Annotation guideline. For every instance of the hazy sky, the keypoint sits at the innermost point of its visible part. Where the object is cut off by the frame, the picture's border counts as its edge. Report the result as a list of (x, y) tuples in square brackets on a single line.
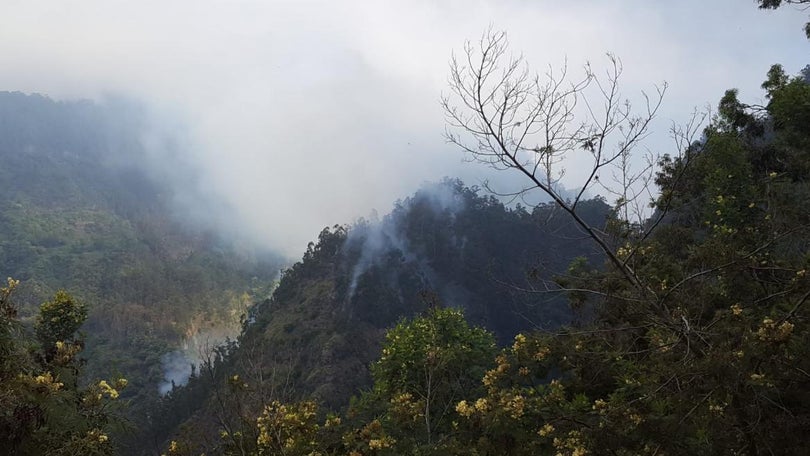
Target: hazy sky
[(306, 114)]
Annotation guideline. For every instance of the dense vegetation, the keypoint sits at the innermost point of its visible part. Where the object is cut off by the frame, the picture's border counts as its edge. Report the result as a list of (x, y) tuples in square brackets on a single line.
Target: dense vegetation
[(454, 325), (325, 323), (43, 407), (82, 211), (704, 351)]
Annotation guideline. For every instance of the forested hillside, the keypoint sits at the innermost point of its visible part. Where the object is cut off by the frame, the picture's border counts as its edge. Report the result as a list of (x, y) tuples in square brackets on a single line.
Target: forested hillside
[(657, 303), (82, 211), (694, 339), (446, 246)]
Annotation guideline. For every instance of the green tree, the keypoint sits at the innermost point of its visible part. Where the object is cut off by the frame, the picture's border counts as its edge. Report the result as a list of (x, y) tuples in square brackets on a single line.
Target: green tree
[(58, 321), (427, 366), (698, 341), (42, 408)]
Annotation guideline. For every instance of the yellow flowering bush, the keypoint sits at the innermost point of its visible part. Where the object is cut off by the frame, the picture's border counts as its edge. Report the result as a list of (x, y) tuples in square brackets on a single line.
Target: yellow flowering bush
[(771, 331), (47, 382), (288, 429)]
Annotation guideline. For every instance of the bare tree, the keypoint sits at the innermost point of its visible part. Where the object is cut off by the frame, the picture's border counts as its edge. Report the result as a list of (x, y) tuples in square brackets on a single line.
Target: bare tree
[(504, 116)]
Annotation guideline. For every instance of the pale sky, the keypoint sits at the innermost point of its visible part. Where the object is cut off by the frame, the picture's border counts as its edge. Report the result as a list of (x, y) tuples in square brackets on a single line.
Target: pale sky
[(304, 114)]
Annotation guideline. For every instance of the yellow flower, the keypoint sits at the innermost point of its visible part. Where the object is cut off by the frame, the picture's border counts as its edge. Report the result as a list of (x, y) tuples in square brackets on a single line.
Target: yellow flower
[(579, 451), (546, 430), (771, 333), (464, 409), (383, 442), (520, 340), (12, 284), (48, 381), (785, 328), (107, 389), (503, 363), (572, 442), (490, 377), (717, 408), (515, 406), (482, 405), (541, 354), (96, 436), (332, 421)]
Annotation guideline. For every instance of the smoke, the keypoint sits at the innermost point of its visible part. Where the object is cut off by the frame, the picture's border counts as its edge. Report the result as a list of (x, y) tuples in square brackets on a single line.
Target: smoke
[(161, 145), (273, 119), (177, 368), (374, 239), (196, 350)]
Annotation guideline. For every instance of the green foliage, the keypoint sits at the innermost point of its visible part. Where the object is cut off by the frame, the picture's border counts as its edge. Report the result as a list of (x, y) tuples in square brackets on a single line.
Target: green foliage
[(79, 213), (43, 410), (444, 244), (708, 356), (12, 354), (58, 320), (437, 349), (294, 429), (522, 411), (711, 355), (427, 366), (705, 352)]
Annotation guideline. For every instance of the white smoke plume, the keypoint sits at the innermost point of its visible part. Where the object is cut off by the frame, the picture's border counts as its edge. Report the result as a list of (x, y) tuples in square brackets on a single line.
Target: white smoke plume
[(303, 114)]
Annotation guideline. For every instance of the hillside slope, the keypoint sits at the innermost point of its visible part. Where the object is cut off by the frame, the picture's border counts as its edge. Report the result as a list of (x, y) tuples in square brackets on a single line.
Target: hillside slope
[(445, 246), (81, 211), (316, 337)]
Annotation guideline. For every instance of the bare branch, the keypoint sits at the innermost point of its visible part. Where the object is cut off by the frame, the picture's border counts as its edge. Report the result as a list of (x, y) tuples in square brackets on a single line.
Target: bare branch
[(501, 115)]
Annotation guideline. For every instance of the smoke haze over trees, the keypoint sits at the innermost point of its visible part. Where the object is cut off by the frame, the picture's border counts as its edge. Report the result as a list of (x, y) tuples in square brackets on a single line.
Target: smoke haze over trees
[(588, 238), (278, 99)]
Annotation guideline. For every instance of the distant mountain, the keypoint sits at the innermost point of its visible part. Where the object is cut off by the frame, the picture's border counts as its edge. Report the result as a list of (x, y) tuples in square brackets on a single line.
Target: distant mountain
[(447, 245), (82, 210)]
